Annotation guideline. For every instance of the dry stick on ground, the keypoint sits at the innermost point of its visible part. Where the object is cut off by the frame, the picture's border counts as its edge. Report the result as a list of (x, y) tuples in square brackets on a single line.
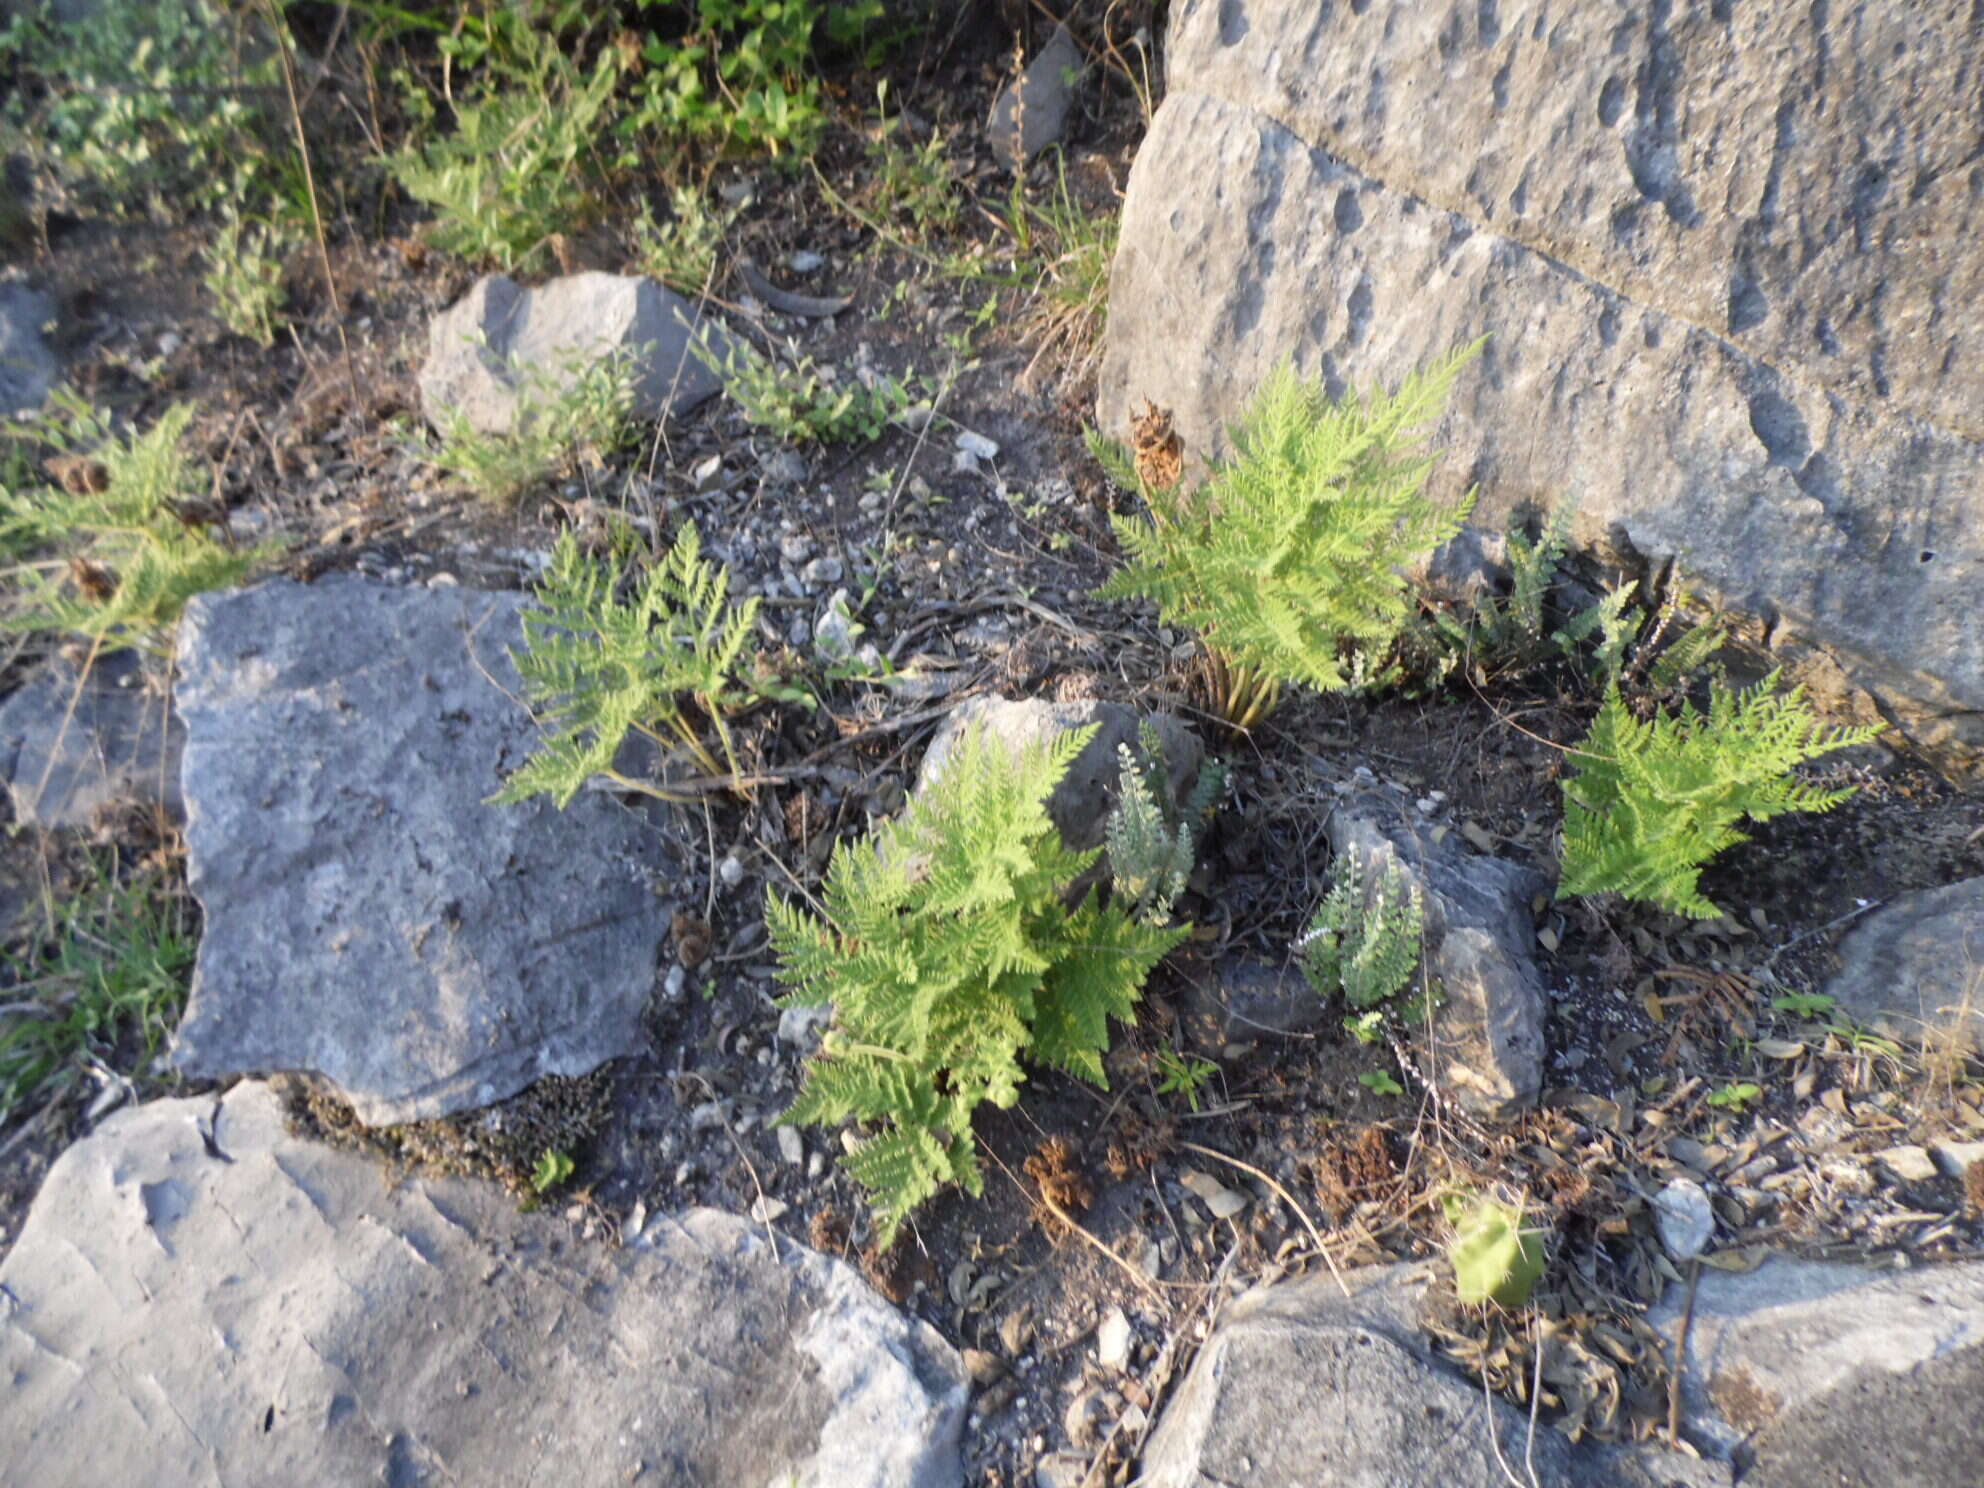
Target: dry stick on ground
[(1286, 1198), (310, 185)]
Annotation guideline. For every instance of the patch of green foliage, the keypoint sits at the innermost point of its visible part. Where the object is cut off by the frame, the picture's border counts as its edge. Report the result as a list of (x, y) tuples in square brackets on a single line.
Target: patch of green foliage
[(102, 979), (1654, 799), (553, 1168), (914, 186), (134, 542), (681, 251), (1495, 1258), (1287, 559), (134, 105), (1151, 848), (799, 405), (1736, 1095), (1179, 1075), (521, 162), (1365, 943), (598, 667), (562, 423), (949, 954), (244, 275)]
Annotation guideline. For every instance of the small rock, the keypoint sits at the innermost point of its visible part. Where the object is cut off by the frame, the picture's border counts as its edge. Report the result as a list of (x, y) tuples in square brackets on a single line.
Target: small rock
[(1086, 1417), (799, 1028), (1909, 1163), (443, 581), (1908, 970), (708, 1117), (1686, 1222), (27, 366), (730, 871), (673, 985), (791, 1146), (786, 468), (977, 445), (708, 475), (804, 261), (73, 745), (796, 547), (823, 571), (1060, 1470), (1216, 1196), (984, 1367), (1955, 1158), (1016, 1332), (1032, 110), (1112, 1340), (765, 1208)]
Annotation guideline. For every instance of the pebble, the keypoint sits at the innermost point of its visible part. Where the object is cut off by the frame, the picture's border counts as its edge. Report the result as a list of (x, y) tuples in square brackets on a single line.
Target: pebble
[(1909, 1163), (730, 871), (791, 1146), (1955, 1158), (1685, 1219), (1112, 1340), (443, 581), (977, 445), (796, 547), (674, 983), (707, 1117), (786, 468), (708, 474), (799, 1028), (823, 571), (804, 261), (765, 1208), (984, 1367), (1216, 1196)]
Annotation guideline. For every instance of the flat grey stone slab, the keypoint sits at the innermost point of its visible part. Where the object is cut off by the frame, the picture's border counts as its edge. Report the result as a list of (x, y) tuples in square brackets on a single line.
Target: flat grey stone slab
[(73, 746), (369, 916), (27, 365), (501, 345), (1031, 112), (1913, 970), (199, 1297)]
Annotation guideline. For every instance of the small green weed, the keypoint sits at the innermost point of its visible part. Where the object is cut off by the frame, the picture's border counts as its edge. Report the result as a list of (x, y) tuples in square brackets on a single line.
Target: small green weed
[(1151, 849), (600, 667), (562, 424), (104, 980), (1178, 1074), (1380, 1082), (1364, 946), (800, 406), (681, 252), (1736, 1095), (244, 275), (1064, 250), (1803, 1004), (914, 186), (552, 1169)]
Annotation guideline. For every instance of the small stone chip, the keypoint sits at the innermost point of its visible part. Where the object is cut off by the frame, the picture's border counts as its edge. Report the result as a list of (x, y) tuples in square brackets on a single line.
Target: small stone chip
[(1112, 1340), (1216, 1196), (1684, 1217), (1909, 1163)]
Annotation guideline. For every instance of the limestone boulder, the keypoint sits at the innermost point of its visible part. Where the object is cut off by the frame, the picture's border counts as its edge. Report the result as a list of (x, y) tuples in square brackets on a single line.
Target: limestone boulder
[(370, 916), (198, 1296), (502, 347), (1913, 970), (1727, 258)]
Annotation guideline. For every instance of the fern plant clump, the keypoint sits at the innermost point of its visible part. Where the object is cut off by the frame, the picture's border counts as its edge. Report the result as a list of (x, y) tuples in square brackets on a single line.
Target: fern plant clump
[(1287, 559), (1151, 850), (139, 538), (1365, 947), (600, 667), (1655, 799), (950, 955)]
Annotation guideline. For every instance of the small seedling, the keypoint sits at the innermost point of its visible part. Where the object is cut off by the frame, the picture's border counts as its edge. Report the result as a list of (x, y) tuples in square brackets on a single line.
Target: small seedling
[(1803, 1004), (1178, 1074), (1736, 1095), (552, 1169), (1380, 1082), (1495, 1258)]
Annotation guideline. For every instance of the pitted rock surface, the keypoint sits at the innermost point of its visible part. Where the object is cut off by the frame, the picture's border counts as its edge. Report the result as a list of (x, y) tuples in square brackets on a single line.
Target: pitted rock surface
[(198, 1296), (369, 915)]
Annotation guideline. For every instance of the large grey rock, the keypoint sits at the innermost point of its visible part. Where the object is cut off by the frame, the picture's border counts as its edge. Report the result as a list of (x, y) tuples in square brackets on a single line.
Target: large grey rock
[(1081, 804), (27, 366), (1300, 1384), (1485, 1046), (1877, 1370), (1728, 255), (368, 915), (198, 1297), (1913, 970), (75, 746), (1031, 111), (501, 346)]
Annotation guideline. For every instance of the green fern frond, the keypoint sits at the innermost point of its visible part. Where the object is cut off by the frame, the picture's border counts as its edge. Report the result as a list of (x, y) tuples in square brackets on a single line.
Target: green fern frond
[(950, 957), (1655, 799), (1289, 557), (599, 667), (1365, 943)]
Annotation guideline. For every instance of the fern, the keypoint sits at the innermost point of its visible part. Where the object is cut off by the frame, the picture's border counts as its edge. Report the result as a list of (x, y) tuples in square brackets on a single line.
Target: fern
[(139, 536), (600, 667), (1150, 853), (1654, 800), (1365, 947), (1287, 558), (949, 954)]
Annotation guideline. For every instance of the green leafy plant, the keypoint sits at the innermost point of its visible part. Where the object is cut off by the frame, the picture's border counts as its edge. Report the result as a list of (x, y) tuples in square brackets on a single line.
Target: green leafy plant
[(681, 252), (136, 535), (1287, 558), (244, 275), (598, 667), (1380, 1082), (552, 1169), (520, 163), (1803, 1004), (1062, 250), (1654, 799), (949, 952), (561, 424), (1735, 1095), (912, 185), (103, 978), (1178, 1074), (799, 405), (1364, 942), (162, 104), (1495, 1257), (1150, 850)]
